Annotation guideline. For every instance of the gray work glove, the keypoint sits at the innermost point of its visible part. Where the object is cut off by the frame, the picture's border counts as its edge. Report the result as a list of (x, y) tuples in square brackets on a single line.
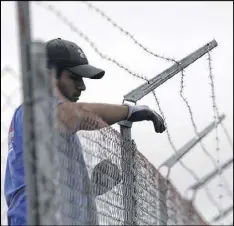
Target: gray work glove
[(137, 113)]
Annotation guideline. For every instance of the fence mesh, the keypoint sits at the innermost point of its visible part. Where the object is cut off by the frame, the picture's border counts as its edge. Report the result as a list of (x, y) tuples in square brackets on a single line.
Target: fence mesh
[(91, 187)]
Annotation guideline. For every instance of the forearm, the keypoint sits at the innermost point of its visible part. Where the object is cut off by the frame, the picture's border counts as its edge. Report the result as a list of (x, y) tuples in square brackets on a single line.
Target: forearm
[(89, 116), (109, 113)]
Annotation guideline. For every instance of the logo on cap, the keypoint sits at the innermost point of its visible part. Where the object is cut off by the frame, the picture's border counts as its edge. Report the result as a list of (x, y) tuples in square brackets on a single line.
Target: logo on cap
[(82, 55)]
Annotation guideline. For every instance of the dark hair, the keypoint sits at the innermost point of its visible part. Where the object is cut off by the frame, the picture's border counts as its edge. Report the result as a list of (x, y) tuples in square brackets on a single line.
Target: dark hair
[(59, 69)]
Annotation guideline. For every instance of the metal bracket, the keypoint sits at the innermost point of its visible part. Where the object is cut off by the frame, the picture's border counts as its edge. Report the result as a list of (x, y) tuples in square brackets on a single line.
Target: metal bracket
[(125, 124), (158, 80), (171, 161), (211, 175), (223, 214)]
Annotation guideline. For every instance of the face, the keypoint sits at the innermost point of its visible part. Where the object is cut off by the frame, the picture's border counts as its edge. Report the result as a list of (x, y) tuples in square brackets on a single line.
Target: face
[(71, 85)]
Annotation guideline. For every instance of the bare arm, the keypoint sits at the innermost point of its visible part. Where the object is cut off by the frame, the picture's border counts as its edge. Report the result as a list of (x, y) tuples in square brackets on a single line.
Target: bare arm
[(109, 113), (90, 116)]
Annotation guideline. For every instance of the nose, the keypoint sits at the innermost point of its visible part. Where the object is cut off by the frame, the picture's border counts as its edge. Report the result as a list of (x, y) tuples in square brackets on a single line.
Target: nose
[(81, 85)]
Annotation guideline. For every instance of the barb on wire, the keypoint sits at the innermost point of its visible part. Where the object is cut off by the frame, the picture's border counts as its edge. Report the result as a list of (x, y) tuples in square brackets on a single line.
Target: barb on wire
[(99, 11), (214, 105), (91, 43)]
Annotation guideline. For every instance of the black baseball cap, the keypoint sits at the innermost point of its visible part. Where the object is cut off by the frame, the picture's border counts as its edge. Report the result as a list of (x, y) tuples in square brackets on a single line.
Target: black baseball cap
[(70, 56)]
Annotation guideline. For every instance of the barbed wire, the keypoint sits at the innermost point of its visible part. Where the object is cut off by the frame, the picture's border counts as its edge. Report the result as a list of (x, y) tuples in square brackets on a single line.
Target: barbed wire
[(215, 111), (128, 34), (191, 115), (203, 147), (104, 15), (214, 104), (217, 166)]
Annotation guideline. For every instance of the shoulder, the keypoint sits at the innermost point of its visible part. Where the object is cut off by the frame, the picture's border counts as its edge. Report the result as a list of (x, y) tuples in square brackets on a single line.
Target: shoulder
[(18, 116), (55, 101), (18, 112), (16, 124)]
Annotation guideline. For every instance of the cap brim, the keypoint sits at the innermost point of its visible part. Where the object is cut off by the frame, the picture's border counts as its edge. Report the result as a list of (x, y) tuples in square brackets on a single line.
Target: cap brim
[(87, 71)]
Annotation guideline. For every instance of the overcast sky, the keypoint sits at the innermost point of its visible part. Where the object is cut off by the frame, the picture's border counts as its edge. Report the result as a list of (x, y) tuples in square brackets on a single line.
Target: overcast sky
[(172, 29)]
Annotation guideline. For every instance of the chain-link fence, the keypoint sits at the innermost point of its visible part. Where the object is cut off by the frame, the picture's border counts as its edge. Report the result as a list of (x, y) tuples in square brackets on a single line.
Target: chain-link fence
[(64, 198)]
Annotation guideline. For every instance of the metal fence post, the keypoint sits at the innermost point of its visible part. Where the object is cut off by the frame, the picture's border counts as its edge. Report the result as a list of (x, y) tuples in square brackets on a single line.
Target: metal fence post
[(127, 165), (45, 142), (38, 124), (29, 133)]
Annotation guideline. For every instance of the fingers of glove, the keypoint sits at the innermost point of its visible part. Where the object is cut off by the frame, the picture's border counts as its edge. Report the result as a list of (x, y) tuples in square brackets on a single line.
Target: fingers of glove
[(158, 122), (140, 116), (156, 126), (159, 127), (159, 117), (147, 114), (163, 127)]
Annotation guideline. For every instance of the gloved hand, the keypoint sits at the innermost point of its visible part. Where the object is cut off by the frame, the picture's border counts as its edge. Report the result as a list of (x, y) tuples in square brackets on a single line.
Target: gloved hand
[(105, 176), (137, 113)]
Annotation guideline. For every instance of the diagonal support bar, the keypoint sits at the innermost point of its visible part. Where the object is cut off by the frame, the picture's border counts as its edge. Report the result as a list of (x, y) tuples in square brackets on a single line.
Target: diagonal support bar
[(158, 80), (185, 149), (210, 176), (223, 214)]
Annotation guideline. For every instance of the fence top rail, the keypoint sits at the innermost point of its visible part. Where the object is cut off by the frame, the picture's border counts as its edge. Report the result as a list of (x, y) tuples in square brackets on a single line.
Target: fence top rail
[(159, 79)]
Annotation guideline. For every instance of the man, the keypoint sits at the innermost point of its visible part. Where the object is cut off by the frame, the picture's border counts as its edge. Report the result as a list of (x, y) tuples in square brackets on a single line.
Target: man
[(67, 66)]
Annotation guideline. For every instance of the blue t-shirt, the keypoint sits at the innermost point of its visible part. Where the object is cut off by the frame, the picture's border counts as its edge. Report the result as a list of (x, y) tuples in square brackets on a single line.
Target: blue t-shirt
[(76, 199), (14, 177)]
